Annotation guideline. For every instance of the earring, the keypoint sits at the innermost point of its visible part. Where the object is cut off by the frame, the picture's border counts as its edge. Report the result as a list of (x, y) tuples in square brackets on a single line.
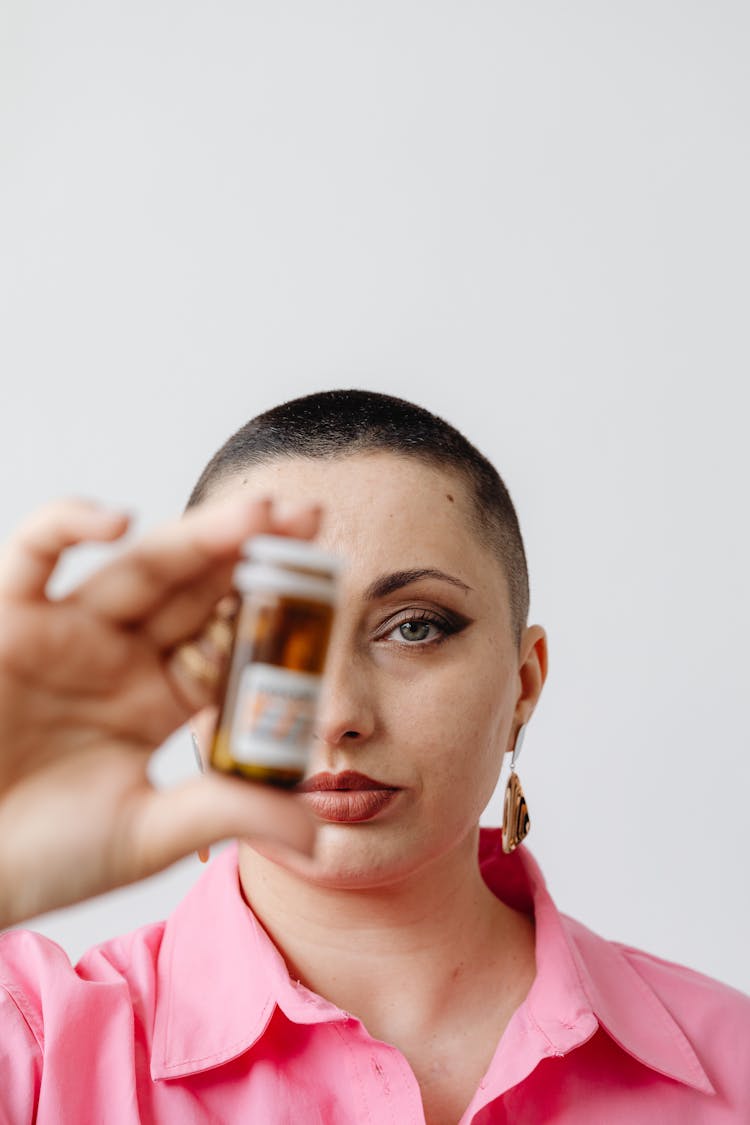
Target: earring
[(516, 821), (203, 854)]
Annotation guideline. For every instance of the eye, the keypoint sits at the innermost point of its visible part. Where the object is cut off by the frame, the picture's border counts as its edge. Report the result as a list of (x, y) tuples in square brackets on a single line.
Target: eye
[(417, 628)]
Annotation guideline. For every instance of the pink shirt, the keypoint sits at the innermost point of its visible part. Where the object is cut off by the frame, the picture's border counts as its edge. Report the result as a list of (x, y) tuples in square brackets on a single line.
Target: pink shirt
[(197, 1020)]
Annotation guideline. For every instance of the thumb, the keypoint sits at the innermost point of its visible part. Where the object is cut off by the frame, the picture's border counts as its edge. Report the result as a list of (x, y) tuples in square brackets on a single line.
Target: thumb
[(170, 824)]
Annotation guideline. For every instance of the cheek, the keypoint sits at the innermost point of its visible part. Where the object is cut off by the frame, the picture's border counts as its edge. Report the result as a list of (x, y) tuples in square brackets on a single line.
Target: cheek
[(456, 724)]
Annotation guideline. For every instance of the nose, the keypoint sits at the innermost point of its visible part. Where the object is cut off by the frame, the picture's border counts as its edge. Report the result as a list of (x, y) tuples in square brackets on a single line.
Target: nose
[(345, 713)]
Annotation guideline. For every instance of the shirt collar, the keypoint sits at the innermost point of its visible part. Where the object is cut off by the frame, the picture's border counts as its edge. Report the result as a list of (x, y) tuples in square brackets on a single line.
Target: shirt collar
[(583, 981), (220, 978)]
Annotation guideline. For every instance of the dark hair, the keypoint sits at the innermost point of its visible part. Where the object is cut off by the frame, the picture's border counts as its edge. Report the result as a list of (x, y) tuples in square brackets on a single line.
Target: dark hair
[(336, 423)]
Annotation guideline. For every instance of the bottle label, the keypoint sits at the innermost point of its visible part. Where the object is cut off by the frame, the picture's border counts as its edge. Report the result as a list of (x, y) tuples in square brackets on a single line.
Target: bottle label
[(274, 716)]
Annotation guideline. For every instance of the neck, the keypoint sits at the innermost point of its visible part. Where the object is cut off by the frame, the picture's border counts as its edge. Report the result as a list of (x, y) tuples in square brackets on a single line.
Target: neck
[(414, 936)]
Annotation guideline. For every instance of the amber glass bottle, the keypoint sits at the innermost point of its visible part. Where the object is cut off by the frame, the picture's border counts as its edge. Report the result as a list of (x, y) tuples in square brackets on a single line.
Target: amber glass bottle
[(266, 717)]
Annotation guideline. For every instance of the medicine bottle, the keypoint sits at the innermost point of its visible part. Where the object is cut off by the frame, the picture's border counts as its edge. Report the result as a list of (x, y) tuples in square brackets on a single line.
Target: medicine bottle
[(265, 725)]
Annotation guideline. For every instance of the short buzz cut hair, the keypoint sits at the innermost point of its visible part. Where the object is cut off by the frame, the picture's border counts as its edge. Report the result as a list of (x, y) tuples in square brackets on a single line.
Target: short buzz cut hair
[(332, 424)]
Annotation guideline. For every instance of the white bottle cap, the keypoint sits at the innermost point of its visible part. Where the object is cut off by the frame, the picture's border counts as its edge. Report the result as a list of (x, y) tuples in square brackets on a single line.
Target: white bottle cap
[(298, 553), (250, 576)]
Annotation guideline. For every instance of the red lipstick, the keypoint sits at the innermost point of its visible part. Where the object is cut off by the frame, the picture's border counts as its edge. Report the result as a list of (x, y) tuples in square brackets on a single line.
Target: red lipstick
[(346, 798)]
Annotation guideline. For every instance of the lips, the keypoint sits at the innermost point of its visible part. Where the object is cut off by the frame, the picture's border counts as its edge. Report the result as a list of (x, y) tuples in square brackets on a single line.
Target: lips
[(346, 798), (348, 780)]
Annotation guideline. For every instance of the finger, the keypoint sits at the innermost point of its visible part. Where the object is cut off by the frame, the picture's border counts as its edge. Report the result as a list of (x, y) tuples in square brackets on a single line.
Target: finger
[(32, 553), (137, 584), (302, 523), (191, 609), (173, 823), (188, 610)]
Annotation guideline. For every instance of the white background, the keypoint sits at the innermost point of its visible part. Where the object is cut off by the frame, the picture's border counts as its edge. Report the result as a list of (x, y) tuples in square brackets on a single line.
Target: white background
[(530, 217)]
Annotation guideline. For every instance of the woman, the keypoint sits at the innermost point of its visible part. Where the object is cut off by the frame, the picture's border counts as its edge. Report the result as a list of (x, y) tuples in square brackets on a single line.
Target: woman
[(407, 970)]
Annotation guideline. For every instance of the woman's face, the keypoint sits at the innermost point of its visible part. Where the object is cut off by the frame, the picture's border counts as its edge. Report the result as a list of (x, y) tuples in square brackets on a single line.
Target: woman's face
[(424, 686)]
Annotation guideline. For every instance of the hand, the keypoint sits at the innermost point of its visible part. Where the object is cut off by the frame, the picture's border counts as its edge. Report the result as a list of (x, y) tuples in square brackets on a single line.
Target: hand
[(92, 683)]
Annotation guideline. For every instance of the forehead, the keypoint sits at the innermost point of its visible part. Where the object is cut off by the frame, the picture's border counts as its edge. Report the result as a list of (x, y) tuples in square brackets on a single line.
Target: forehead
[(382, 512)]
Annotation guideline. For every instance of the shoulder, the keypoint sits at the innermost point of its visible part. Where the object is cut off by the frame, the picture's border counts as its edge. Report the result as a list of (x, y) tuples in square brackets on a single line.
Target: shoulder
[(679, 1021), (708, 1007), (36, 965), (59, 1021), (40, 988)]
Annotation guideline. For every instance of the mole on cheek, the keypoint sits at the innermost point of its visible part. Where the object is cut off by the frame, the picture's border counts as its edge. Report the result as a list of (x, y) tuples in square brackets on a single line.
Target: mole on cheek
[(449, 497)]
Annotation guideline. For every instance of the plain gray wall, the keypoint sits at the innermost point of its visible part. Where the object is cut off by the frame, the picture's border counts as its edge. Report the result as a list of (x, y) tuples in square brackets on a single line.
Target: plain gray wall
[(533, 219)]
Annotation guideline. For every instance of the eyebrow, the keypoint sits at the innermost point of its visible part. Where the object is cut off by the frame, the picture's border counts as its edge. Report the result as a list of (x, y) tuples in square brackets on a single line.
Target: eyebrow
[(388, 583)]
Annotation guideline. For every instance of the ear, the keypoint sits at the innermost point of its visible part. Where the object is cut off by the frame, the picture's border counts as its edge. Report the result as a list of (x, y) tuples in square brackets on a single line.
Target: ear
[(532, 672)]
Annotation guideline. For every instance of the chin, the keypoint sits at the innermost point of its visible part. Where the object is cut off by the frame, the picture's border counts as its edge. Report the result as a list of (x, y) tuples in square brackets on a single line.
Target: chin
[(350, 859), (346, 858)]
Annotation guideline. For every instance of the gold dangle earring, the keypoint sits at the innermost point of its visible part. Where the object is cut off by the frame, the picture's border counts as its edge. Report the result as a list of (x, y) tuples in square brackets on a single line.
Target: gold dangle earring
[(516, 821)]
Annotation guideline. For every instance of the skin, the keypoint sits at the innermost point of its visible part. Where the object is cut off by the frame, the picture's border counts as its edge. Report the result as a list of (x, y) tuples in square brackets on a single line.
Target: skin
[(399, 900), (92, 683), (389, 919)]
